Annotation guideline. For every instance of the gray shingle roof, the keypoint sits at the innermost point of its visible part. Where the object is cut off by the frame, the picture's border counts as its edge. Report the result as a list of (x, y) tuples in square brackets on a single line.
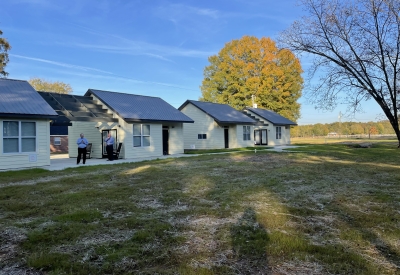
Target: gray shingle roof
[(222, 113), (271, 116), (139, 108), (18, 98)]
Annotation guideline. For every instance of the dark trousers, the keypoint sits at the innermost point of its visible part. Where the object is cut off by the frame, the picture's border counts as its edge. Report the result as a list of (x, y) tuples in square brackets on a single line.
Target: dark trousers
[(110, 149), (80, 152)]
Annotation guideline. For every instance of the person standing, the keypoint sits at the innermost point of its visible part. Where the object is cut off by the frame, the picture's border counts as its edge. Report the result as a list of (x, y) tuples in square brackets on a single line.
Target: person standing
[(82, 143), (110, 147)]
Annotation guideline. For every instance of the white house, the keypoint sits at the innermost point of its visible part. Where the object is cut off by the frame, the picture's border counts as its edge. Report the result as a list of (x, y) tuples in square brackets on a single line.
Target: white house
[(216, 126), (25, 122), (271, 128), (145, 126)]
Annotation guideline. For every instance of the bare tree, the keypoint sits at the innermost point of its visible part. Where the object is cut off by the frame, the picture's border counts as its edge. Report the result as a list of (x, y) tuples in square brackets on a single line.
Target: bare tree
[(356, 50)]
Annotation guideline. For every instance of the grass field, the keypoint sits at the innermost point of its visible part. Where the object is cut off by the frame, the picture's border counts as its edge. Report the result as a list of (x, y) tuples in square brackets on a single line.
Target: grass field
[(323, 209), (342, 139)]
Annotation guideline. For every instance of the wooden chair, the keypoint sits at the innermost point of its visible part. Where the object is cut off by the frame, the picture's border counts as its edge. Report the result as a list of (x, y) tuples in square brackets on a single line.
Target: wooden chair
[(116, 153), (88, 150)]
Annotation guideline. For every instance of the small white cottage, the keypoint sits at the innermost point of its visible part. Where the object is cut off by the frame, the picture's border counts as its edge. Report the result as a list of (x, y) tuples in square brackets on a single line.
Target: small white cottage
[(142, 126), (271, 128), (25, 122), (216, 126)]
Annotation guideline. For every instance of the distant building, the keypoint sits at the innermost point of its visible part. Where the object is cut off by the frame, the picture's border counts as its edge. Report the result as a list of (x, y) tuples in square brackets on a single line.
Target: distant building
[(216, 126), (59, 139)]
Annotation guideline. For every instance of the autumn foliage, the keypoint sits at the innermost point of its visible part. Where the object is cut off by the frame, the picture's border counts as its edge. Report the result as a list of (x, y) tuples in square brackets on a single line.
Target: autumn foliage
[(4, 48), (49, 86), (251, 66)]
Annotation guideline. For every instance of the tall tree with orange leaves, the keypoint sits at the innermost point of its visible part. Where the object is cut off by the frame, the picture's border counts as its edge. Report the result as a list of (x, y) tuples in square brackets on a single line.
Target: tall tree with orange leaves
[(254, 69)]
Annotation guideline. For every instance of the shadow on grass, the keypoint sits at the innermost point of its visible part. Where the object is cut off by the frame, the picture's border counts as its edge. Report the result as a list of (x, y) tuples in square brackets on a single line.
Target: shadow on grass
[(361, 228), (249, 241)]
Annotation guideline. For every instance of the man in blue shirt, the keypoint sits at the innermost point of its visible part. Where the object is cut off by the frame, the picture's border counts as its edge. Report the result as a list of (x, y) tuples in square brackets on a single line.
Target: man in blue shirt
[(82, 143), (110, 147)]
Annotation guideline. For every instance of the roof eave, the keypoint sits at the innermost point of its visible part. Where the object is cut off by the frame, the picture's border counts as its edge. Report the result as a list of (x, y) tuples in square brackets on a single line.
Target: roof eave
[(235, 122), (156, 120), (37, 116), (279, 124)]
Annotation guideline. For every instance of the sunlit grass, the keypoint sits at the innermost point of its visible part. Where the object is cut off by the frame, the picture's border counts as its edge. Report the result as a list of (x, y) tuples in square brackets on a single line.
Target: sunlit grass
[(323, 209)]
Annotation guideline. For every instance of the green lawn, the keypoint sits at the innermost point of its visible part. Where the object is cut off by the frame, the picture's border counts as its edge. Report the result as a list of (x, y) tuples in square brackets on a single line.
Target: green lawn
[(324, 209)]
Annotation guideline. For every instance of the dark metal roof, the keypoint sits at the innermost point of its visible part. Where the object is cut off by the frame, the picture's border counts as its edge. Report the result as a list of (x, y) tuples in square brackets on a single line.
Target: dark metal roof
[(271, 116), (58, 130), (19, 99), (222, 113), (138, 108), (75, 108)]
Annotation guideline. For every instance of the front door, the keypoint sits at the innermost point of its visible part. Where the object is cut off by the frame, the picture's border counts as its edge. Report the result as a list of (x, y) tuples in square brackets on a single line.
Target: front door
[(226, 137), (260, 137), (104, 134), (165, 138), (264, 137)]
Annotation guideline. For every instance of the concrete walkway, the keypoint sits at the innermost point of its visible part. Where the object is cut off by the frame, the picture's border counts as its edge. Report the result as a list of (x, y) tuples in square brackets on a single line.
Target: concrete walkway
[(62, 161)]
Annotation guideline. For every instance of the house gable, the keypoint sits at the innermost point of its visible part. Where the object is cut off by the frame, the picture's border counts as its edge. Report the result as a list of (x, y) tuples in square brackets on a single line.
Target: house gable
[(268, 116), (276, 126), (209, 133), (138, 108), (221, 113)]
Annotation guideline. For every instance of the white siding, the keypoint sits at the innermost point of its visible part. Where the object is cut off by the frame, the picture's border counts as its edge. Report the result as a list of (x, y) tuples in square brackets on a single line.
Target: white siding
[(125, 135), (21, 160), (272, 131), (237, 140), (233, 142), (92, 132), (155, 148), (175, 140), (203, 124)]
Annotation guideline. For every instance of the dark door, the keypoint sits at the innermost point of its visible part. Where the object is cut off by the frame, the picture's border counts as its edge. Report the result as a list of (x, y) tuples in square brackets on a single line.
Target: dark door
[(226, 137), (165, 138), (260, 137), (264, 137), (104, 134)]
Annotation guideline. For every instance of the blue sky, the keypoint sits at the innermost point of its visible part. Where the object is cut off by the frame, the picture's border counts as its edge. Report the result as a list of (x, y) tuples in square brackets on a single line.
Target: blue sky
[(155, 48)]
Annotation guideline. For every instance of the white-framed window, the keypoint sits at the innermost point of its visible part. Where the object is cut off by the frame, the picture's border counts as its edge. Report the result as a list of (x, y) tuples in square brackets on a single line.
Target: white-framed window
[(57, 141), (202, 136), (19, 136), (246, 132), (141, 135), (279, 132)]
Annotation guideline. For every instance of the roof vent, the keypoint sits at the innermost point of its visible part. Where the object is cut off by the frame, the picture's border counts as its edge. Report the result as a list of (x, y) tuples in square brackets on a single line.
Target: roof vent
[(254, 105)]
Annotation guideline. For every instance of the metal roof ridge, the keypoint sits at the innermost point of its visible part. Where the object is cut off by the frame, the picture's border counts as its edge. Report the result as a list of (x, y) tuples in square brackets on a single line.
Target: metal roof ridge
[(123, 93)]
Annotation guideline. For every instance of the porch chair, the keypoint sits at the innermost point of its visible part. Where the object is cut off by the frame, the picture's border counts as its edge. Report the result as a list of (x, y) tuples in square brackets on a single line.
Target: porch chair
[(88, 150), (116, 153)]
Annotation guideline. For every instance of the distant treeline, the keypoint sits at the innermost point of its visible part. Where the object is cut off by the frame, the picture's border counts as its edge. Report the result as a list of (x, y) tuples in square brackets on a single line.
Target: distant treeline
[(343, 128)]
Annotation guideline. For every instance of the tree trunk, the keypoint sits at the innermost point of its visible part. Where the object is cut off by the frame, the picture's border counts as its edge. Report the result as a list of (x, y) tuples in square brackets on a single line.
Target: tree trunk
[(395, 125)]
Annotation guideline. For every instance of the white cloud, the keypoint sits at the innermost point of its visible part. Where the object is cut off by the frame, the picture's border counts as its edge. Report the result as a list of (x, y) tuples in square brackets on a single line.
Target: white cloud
[(90, 72), (122, 45), (66, 65)]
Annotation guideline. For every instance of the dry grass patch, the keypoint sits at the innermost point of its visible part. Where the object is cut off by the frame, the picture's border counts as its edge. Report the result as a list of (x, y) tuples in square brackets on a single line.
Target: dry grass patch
[(326, 209)]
